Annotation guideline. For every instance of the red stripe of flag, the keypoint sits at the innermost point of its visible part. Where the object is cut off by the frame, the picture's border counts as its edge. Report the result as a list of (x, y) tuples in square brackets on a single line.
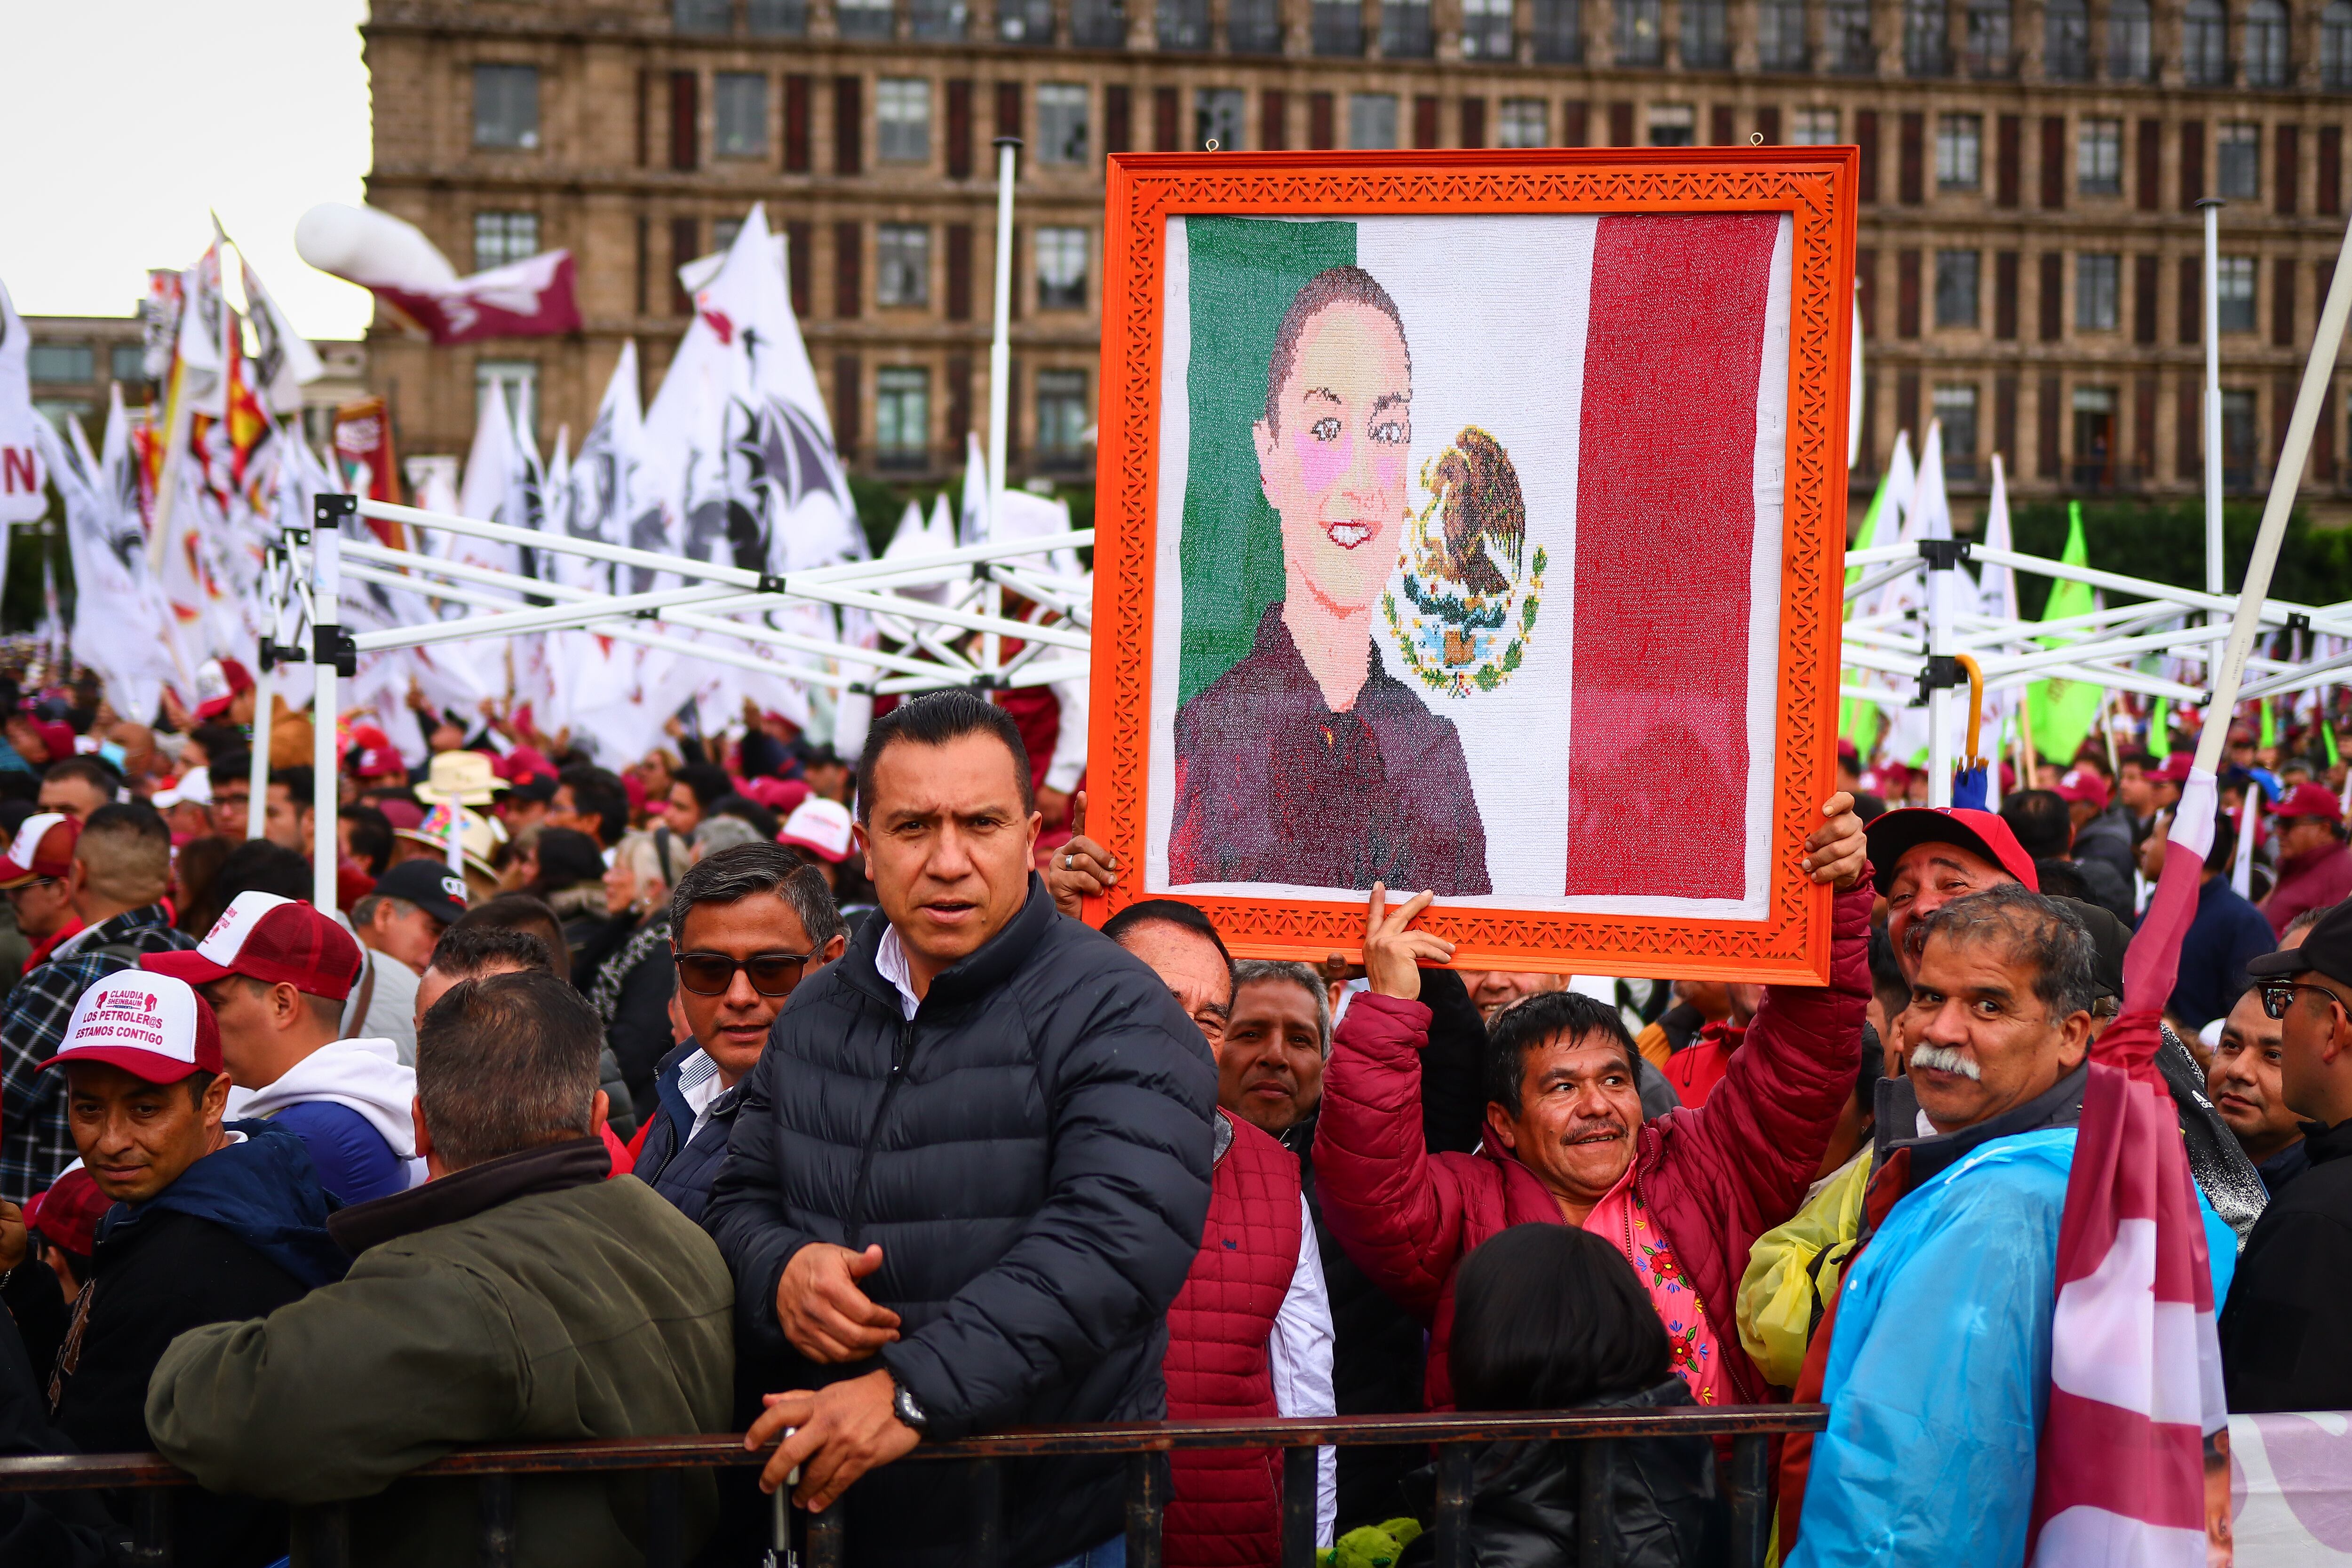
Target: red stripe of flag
[(1666, 525)]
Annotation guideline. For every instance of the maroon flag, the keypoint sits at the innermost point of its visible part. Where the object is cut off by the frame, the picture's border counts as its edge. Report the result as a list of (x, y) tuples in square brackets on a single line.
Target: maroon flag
[(526, 299)]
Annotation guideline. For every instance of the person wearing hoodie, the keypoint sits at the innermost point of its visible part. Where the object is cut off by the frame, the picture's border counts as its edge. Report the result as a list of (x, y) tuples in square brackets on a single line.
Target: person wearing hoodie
[(213, 1222), (276, 973), (517, 1296), (1547, 1317)]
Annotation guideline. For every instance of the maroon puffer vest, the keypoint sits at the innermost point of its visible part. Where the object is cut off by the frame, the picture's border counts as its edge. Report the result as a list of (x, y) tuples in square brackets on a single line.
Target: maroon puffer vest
[(1226, 1512)]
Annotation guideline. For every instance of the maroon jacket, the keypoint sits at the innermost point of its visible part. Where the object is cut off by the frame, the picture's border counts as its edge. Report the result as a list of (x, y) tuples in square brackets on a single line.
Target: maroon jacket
[(1714, 1178), (2310, 881)]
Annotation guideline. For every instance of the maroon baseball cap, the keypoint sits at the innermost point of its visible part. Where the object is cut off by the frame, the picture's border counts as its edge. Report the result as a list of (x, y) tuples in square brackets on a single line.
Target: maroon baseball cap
[(1979, 832), (2176, 766), (2307, 799), (274, 940), (2081, 785)]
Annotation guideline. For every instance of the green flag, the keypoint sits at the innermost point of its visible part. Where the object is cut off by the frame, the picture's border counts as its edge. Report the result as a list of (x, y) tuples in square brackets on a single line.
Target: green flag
[(2064, 711), (2159, 731), (2327, 736), (1858, 720), (2270, 727)]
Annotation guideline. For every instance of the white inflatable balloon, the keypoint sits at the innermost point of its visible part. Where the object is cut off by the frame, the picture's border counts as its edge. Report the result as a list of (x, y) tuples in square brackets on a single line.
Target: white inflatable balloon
[(371, 248)]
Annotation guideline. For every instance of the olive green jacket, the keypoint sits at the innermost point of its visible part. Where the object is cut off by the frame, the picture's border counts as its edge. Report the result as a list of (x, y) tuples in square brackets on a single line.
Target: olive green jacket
[(582, 1308)]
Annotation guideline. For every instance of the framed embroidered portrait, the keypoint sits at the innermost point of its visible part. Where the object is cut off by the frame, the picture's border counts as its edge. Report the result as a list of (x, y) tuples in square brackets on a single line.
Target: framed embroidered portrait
[(1472, 521)]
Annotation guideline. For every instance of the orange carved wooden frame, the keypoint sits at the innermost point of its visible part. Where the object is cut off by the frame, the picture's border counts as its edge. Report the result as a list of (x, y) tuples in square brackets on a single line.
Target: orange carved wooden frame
[(1816, 187)]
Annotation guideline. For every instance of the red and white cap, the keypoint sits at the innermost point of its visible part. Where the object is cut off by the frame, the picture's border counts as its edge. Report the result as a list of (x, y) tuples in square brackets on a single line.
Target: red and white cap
[(820, 826), (44, 846), (271, 939), (151, 1025), (2082, 787)]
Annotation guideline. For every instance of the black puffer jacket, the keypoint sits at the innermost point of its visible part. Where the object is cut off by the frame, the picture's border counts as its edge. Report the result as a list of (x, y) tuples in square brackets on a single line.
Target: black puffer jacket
[(1524, 1498), (1030, 1150)]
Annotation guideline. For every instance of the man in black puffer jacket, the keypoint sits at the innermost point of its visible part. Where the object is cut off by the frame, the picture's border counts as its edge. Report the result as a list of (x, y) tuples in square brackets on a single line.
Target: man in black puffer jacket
[(970, 1172)]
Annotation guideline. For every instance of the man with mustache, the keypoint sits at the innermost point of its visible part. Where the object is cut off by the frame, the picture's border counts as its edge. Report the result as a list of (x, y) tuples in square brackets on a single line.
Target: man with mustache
[(1938, 1350), (1683, 1197), (1307, 763)]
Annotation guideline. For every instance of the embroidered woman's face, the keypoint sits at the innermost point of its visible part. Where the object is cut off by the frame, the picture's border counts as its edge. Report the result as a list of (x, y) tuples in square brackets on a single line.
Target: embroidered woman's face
[(1334, 466)]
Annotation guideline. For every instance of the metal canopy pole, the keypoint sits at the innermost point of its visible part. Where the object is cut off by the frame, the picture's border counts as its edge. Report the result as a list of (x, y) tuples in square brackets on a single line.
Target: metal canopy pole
[(274, 586), (2212, 209), (326, 656), (1941, 564)]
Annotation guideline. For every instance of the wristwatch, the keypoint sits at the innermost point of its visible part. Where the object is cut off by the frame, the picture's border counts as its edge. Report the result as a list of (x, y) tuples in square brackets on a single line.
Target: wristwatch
[(904, 1406)]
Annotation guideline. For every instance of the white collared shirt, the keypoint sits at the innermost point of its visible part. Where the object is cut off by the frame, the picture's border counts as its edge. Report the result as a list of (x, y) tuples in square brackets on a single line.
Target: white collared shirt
[(698, 1085), (890, 961)]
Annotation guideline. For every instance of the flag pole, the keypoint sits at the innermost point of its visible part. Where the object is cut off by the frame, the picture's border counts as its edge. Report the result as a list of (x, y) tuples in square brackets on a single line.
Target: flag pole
[(2211, 207), (1000, 373), (326, 632), (1938, 574), (2285, 481), (257, 804)]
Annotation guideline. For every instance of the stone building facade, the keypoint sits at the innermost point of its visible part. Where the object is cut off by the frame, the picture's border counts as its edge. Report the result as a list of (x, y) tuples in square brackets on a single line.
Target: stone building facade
[(2030, 171)]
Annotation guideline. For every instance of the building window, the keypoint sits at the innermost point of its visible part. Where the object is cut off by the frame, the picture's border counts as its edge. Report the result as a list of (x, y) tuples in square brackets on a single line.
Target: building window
[(2204, 51), (1486, 29), (1339, 29), (902, 264), (1707, 35), (2336, 46), (2066, 41), (1850, 50), (939, 20), (723, 232), (1673, 125), (2236, 293), (777, 18), (2098, 291), (62, 362), (700, 16), (2099, 158), (1926, 38), (1560, 31), (516, 381), (1955, 288), (1780, 35), (2237, 440), (1372, 120), (902, 416), (1061, 123), (502, 237), (1955, 416), (1404, 29), (506, 106), (2131, 50), (902, 112), (739, 103), (1061, 269), (1640, 32), (2095, 437), (1813, 128), (1032, 22), (1254, 27), (1094, 23), (2265, 44), (1182, 26), (2238, 162), (863, 19), (1061, 417), (1959, 152), (1217, 117), (1990, 55), (128, 362), (1525, 123)]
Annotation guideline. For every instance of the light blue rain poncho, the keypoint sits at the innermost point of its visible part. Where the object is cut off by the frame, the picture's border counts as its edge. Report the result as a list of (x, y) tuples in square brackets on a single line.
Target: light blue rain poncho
[(1939, 1371)]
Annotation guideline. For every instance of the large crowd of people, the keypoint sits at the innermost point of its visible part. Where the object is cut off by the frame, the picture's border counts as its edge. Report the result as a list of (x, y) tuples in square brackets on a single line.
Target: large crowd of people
[(758, 1090)]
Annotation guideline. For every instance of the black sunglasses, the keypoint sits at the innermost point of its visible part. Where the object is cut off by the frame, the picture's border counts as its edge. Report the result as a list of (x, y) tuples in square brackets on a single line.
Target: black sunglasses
[(2278, 994), (711, 973)]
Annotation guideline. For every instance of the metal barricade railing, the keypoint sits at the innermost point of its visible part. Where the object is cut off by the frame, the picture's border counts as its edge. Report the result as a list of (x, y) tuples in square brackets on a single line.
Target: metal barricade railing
[(323, 1533)]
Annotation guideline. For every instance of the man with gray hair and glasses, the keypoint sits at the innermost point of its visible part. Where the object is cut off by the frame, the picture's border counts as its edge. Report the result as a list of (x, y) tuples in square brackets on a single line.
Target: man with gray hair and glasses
[(1939, 1341)]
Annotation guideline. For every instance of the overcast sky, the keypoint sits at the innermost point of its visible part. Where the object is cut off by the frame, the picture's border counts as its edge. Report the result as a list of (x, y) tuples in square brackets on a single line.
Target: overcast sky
[(123, 120)]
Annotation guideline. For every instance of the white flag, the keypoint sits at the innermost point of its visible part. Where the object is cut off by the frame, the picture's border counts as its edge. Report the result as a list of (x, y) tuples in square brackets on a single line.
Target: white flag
[(22, 496), (121, 627), (286, 360)]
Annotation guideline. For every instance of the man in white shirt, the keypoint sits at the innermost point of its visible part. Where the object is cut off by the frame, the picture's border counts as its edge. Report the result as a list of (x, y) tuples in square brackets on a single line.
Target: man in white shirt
[(1234, 1343), (398, 923)]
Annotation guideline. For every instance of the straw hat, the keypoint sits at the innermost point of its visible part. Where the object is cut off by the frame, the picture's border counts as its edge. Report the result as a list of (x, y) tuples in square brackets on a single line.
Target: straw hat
[(461, 776)]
